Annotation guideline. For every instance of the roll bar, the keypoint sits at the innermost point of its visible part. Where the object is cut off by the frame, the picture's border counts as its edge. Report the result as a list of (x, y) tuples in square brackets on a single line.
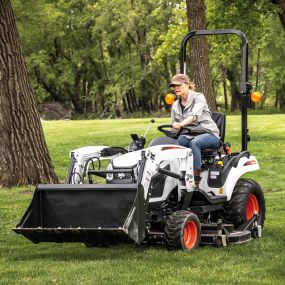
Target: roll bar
[(244, 85)]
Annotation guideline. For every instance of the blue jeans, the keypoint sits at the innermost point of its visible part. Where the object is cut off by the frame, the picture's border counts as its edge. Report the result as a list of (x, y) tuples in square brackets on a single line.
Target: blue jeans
[(197, 144)]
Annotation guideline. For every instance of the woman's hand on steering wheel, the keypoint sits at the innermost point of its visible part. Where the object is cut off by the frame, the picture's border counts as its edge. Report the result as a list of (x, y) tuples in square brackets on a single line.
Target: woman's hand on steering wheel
[(177, 125), (170, 131)]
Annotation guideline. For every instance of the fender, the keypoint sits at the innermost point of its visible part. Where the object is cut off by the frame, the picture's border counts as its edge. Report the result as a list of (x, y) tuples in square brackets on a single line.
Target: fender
[(245, 165), (241, 165)]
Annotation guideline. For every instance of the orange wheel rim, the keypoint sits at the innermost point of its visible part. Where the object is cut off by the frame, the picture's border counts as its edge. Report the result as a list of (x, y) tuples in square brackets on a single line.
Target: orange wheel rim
[(251, 206), (190, 235)]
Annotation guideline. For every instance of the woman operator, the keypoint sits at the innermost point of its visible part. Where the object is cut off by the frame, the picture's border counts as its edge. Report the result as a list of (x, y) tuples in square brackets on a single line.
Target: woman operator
[(191, 110)]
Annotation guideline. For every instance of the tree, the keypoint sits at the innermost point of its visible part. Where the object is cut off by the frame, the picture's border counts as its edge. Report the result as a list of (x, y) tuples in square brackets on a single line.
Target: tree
[(199, 51), (89, 54), (280, 92), (24, 158), (266, 47), (281, 13), (93, 55)]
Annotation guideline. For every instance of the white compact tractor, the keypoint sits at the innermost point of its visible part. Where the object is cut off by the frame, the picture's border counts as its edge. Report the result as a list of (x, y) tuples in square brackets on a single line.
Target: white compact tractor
[(148, 195)]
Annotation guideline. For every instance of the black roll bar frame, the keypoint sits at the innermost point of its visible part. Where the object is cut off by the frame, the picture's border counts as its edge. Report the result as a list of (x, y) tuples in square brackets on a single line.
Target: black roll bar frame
[(244, 85)]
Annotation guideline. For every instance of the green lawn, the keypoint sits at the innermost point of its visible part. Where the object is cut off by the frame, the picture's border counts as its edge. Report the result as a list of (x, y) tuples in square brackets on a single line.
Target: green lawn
[(261, 261)]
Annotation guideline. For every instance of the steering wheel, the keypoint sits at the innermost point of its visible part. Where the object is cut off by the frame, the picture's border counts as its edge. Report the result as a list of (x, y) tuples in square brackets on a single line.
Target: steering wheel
[(169, 131)]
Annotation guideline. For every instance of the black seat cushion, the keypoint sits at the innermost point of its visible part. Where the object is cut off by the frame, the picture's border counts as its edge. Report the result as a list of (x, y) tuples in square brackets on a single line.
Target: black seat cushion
[(220, 120)]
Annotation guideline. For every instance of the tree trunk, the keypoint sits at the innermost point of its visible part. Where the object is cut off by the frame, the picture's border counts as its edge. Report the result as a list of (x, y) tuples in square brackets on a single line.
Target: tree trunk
[(262, 104), (75, 98), (24, 158), (199, 51), (280, 97), (125, 104), (236, 99), (225, 94), (281, 4), (166, 70), (257, 70), (117, 107), (129, 100), (134, 100), (101, 100)]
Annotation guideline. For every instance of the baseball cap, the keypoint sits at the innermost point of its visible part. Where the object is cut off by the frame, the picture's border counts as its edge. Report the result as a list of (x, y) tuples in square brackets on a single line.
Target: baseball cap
[(179, 79)]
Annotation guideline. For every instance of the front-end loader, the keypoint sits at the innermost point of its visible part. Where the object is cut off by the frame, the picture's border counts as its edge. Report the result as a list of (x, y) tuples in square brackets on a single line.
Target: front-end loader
[(146, 195)]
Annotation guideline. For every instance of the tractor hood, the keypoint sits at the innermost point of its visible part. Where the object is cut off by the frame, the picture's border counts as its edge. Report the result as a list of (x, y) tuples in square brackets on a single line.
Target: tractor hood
[(131, 159)]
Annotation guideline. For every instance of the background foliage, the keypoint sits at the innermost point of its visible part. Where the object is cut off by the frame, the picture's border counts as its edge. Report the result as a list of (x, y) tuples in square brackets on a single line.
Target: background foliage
[(114, 57)]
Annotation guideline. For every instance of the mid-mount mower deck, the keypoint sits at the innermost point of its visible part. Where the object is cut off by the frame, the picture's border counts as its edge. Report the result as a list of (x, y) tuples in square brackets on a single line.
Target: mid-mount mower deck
[(148, 195)]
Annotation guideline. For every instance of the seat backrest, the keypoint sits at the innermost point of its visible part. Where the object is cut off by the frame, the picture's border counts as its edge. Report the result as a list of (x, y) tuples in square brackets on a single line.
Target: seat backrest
[(220, 120)]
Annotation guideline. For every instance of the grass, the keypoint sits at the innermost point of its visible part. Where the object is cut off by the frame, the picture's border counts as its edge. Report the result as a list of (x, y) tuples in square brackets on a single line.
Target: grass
[(261, 261)]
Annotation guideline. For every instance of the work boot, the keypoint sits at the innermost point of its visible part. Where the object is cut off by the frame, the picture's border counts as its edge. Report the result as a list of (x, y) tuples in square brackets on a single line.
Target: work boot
[(197, 178)]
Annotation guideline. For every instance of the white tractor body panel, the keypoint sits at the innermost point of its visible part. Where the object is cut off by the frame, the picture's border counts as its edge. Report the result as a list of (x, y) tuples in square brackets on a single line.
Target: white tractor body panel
[(178, 159), (244, 165)]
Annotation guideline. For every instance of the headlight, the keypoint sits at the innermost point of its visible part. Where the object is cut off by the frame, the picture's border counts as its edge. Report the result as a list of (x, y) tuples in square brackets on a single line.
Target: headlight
[(109, 176)]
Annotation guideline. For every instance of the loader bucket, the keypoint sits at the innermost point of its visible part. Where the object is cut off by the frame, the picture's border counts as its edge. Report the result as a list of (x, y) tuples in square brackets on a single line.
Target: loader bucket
[(89, 213)]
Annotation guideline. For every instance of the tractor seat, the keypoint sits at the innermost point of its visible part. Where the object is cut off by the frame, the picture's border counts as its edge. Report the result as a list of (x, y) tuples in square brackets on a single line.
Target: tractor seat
[(220, 120)]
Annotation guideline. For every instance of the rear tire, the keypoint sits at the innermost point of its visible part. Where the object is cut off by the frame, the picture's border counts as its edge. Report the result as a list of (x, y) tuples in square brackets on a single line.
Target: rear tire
[(182, 231), (247, 198)]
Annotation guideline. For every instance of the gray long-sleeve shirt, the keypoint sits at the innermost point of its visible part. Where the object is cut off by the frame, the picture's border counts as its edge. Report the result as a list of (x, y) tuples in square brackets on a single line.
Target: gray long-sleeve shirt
[(196, 106)]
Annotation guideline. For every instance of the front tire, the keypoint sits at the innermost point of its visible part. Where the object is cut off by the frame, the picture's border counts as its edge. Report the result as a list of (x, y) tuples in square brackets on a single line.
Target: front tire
[(182, 231), (247, 198)]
